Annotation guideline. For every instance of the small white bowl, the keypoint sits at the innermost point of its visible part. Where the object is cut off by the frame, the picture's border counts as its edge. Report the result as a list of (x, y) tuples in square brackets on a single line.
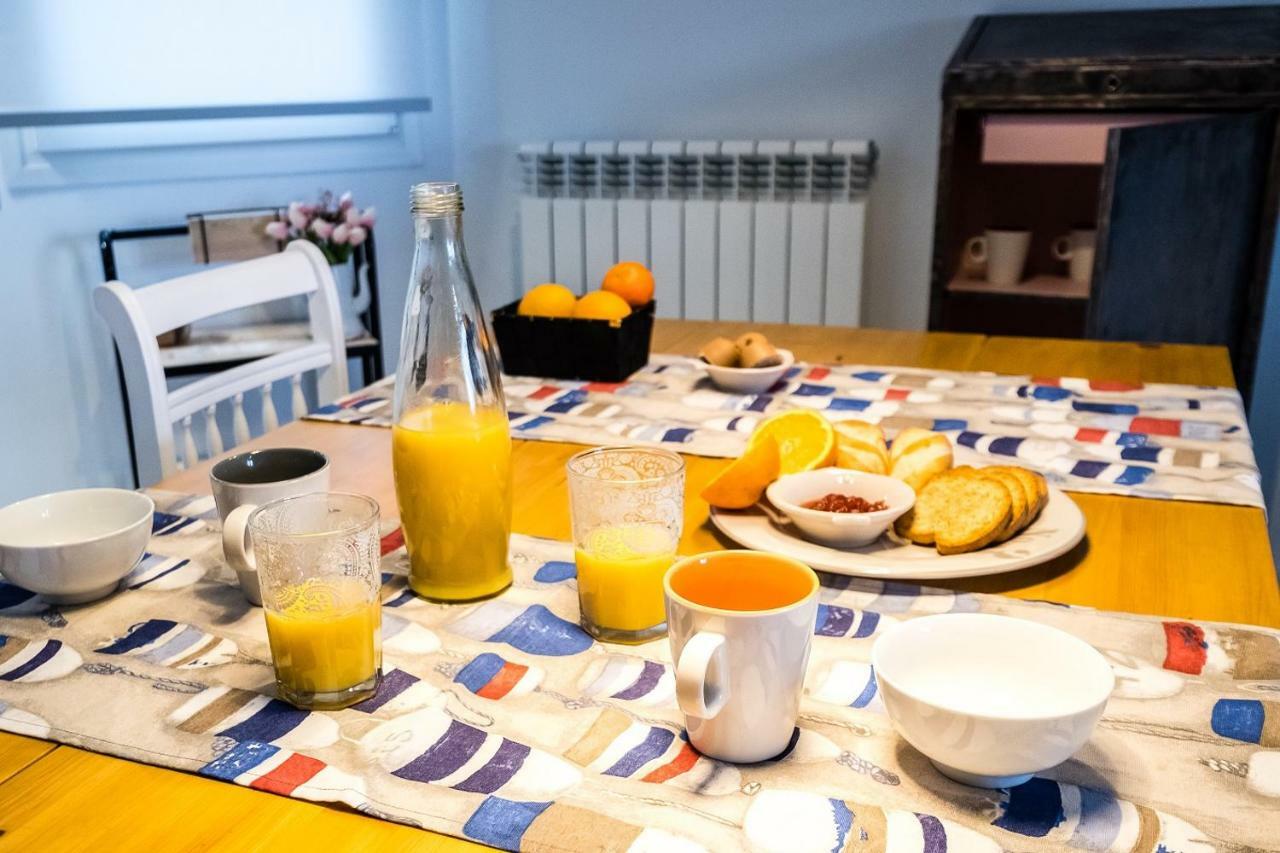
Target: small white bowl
[(750, 380), (75, 546), (840, 529), (990, 700)]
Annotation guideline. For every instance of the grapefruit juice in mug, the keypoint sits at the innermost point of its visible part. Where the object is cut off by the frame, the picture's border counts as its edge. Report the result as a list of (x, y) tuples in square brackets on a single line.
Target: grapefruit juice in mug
[(620, 571), (737, 581), (326, 636), (741, 628), (453, 483)]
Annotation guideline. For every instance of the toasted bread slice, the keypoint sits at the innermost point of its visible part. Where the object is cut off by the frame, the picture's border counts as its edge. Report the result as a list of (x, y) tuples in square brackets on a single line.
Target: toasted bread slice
[(916, 525), (1026, 481), (861, 446), (1020, 515), (977, 511), (1042, 491), (924, 459), (919, 523)]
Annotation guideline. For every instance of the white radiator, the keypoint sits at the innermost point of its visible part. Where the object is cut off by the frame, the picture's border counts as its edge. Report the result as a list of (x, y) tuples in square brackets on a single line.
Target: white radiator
[(767, 231)]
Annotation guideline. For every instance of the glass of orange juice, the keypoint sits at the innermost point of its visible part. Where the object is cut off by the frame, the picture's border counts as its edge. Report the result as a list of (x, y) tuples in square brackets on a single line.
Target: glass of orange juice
[(627, 509), (318, 562)]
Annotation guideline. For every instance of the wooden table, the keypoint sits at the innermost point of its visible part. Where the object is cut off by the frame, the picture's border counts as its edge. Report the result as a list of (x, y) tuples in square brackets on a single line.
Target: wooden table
[(1203, 561)]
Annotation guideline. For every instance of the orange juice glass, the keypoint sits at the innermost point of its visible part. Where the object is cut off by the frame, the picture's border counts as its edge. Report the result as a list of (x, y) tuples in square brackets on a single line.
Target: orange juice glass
[(318, 563), (627, 507)]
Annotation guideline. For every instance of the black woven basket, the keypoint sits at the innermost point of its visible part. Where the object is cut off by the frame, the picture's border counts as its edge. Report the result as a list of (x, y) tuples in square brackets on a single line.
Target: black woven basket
[(566, 348)]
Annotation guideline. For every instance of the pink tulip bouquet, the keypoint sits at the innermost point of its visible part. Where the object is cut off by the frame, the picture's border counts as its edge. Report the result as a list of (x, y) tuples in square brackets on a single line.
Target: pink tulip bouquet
[(336, 227)]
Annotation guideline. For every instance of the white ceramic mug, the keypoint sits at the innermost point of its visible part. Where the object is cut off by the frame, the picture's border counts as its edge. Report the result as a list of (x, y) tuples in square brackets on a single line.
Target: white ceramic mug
[(1003, 251), (243, 482), (1077, 248), (741, 626)]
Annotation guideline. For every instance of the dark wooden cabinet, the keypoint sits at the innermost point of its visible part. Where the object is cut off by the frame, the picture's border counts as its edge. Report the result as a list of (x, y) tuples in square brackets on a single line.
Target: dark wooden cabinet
[(1158, 129)]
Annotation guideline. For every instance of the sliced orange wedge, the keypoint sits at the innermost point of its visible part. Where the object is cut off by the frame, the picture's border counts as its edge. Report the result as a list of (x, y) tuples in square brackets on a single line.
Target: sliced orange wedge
[(741, 484), (805, 439)]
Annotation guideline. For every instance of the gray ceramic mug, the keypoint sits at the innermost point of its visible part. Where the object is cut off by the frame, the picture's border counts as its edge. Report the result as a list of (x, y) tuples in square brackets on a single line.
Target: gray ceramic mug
[(243, 482)]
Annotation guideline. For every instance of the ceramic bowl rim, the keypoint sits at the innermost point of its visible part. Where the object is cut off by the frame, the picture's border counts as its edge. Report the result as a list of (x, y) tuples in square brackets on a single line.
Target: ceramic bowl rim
[(75, 541), (887, 515), (1088, 652)]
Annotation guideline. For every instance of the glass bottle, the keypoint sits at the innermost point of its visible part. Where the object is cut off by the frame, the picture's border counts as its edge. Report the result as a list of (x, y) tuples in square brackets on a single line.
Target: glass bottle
[(451, 446)]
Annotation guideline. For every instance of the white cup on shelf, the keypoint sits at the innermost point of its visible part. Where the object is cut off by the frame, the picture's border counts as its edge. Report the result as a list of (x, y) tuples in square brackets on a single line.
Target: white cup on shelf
[(1077, 248), (1004, 251)]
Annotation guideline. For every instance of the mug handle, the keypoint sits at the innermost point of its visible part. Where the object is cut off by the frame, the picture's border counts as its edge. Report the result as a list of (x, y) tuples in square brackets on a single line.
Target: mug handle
[(237, 547), (1061, 248), (976, 249), (697, 693)]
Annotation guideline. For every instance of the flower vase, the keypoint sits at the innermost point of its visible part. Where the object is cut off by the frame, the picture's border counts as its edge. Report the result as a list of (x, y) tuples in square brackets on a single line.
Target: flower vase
[(353, 297)]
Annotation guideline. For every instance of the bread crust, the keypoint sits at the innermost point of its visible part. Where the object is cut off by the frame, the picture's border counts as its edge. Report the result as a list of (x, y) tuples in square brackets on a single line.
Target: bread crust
[(1021, 510)]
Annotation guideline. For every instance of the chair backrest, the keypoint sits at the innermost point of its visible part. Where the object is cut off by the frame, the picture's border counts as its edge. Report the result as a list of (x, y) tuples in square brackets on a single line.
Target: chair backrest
[(162, 419)]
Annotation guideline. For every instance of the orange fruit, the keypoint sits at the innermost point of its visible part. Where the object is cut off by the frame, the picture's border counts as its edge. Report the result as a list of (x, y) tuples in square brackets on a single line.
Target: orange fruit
[(743, 482), (601, 305), (805, 439), (548, 300), (630, 280)]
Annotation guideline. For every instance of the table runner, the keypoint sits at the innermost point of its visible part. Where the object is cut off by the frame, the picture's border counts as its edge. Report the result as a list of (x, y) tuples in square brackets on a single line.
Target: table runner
[(1180, 442), (504, 723)]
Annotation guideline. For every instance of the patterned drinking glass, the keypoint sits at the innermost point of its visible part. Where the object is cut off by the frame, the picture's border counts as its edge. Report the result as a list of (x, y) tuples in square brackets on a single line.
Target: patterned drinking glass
[(318, 559), (627, 508)]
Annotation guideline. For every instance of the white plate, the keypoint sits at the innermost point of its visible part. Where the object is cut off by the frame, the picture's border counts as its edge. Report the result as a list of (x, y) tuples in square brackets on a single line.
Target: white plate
[(1059, 528)]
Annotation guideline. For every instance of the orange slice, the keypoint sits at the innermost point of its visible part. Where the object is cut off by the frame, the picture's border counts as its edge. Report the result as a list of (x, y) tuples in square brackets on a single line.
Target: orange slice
[(742, 483), (805, 439)]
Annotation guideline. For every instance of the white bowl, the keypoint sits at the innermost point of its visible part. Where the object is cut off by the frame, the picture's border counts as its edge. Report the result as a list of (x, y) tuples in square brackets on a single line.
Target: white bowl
[(991, 700), (72, 547), (750, 380), (840, 529)]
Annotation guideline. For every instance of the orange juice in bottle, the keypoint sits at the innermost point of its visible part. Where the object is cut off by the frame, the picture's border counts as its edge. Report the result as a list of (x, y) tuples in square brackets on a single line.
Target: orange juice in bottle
[(453, 482), (451, 446)]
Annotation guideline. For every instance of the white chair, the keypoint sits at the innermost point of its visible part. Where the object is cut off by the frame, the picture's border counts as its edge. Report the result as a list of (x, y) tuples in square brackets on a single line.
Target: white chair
[(162, 419)]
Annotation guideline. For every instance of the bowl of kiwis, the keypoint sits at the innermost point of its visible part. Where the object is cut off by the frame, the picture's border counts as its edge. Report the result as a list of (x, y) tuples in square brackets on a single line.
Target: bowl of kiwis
[(749, 365)]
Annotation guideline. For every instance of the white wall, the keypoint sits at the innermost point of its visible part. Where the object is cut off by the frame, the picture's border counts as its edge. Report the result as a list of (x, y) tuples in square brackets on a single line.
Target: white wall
[(63, 425), (698, 69)]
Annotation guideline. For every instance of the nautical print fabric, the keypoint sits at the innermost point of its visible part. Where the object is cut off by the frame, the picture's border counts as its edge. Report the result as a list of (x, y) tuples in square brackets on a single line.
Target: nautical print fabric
[(503, 723), (1180, 442)]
